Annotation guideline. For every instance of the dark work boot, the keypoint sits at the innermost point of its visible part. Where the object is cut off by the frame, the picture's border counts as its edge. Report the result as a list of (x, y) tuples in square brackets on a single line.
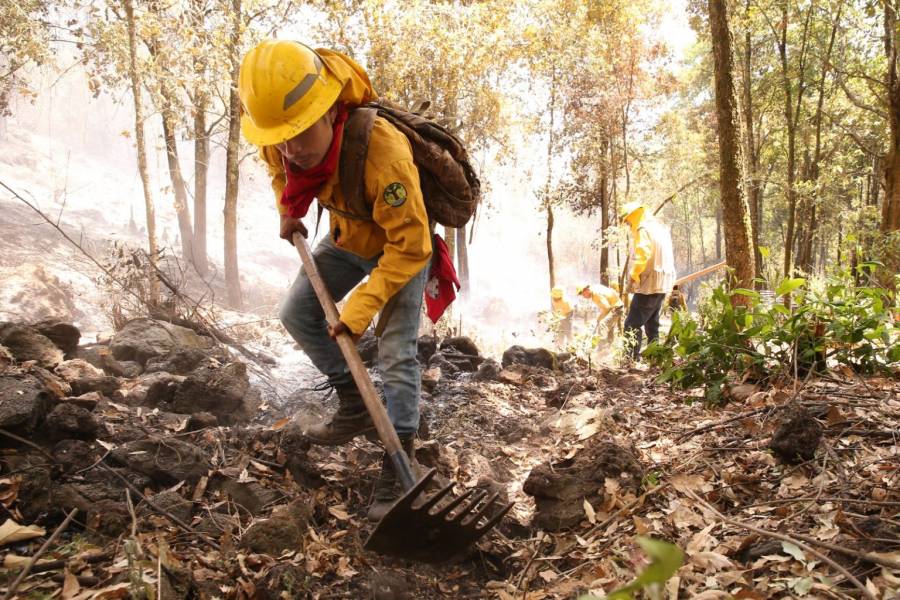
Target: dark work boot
[(387, 487), (350, 420)]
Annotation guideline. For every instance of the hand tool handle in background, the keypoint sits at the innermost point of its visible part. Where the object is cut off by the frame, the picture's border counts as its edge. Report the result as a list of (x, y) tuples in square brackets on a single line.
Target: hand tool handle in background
[(370, 396)]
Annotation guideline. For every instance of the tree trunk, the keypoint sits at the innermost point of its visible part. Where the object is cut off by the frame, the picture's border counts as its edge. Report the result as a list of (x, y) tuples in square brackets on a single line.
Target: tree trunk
[(153, 292), (450, 240), (735, 213), (185, 229), (890, 213), (751, 154), (550, 246), (719, 229), (201, 151), (201, 171), (462, 260), (167, 112), (232, 156), (604, 214), (792, 118)]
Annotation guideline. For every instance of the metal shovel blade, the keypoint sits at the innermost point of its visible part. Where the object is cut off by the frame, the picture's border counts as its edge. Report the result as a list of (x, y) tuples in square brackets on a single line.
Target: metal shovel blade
[(425, 529)]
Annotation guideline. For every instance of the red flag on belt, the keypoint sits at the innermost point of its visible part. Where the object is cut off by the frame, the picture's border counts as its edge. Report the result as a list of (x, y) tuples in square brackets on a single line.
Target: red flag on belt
[(440, 291)]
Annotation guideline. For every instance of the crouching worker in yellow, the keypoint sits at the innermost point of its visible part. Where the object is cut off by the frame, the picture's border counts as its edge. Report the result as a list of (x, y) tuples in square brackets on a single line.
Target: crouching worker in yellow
[(606, 298), (295, 102), (562, 314)]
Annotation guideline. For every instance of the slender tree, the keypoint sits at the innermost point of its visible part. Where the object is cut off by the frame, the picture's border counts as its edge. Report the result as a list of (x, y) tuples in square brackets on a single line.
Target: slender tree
[(232, 160), (735, 212), (134, 76)]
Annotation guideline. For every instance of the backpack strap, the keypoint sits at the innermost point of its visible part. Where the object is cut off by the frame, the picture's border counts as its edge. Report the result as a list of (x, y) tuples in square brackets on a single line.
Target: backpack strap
[(354, 150)]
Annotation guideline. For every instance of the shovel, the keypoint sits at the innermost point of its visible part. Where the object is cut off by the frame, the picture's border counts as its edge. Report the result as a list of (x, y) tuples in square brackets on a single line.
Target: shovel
[(417, 527)]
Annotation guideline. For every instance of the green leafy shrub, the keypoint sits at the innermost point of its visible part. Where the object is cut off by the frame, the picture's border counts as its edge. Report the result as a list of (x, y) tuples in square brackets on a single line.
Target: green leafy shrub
[(805, 328)]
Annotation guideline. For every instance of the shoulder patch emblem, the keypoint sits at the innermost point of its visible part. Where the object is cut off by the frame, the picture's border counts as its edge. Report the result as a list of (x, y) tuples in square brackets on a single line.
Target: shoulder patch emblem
[(395, 194)]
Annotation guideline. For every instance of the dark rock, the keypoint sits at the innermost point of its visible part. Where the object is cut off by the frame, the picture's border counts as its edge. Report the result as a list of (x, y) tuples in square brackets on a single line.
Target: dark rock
[(87, 401), (34, 499), (250, 495), (71, 421), (25, 343), (559, 489), (74, 455), (167, 461), (488, 371), (462, 344), (202, 420), (130, 368), (70, 370), (427, 346), (108, 517), (169, 501), (56, 387), (24, 401), (105, 384), (101, 357), (463, 362), (797, 437), (180, 361), (155, 389), (65, 335), (143, 339), (532, 357), (273, 536), (221, 392), (440, 361)]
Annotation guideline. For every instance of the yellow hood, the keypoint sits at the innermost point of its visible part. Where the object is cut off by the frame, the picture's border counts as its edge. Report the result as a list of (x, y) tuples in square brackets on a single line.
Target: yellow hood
[(357, 89)]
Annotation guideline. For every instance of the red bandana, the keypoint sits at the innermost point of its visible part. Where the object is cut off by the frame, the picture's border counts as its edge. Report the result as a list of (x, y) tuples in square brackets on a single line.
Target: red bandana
[(303, 186), (440, 291)]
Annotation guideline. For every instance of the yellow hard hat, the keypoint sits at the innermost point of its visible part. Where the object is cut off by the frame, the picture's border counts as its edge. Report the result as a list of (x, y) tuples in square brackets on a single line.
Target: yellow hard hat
[(630, 208), (580, 289), (556, 293), (284, 88)]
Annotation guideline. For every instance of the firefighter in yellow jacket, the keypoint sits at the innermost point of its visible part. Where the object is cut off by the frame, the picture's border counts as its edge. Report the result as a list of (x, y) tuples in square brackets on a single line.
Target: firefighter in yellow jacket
[(295, 101), (563, 314), (652, 273)]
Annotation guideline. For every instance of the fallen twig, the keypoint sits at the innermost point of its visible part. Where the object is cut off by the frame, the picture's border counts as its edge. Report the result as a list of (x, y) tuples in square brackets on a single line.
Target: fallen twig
[(181, 524), (785, 538), (866, 556), (39, 553), (22, 440)]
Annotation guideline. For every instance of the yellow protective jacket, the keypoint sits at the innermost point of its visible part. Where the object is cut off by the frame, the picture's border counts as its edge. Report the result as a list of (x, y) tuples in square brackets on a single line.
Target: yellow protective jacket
[(399, 232), (561, 308), (605, 298), (653, 260)]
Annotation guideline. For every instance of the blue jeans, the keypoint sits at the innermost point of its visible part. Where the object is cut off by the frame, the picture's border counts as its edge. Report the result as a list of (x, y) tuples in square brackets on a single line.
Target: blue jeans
[(303, 317), (643, 312)]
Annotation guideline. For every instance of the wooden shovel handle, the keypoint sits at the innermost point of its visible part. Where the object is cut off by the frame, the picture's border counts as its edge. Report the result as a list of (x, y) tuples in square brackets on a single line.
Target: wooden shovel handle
[(370, 397)]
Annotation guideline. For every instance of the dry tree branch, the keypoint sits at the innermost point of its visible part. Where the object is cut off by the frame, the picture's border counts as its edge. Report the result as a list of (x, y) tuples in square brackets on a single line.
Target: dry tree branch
[(39, 553), (786, 538)]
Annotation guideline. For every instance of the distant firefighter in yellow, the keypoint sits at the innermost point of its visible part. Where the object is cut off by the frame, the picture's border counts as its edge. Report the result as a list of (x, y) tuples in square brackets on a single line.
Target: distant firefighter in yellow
[(562, 314)]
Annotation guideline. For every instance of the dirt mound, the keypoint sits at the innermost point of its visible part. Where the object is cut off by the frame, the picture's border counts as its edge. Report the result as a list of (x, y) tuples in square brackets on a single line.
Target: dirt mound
[(561, 488)]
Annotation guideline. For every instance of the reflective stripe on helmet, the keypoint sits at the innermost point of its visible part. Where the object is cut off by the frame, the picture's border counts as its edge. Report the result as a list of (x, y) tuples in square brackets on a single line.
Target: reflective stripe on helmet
[(304, 86)]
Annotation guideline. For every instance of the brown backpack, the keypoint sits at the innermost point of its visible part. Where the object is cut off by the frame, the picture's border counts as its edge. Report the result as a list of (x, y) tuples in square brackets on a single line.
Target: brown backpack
[(449, 185)]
